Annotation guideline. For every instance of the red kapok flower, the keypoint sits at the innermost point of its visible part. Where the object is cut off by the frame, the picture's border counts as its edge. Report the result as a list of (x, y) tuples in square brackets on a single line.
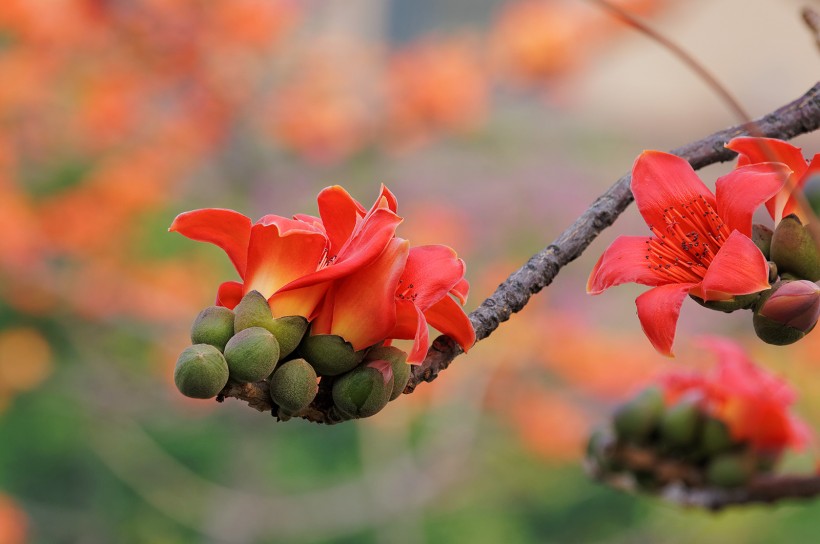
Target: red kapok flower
[(701, 243), (753, 403), (292, 261), (432, 274), (752, 150)]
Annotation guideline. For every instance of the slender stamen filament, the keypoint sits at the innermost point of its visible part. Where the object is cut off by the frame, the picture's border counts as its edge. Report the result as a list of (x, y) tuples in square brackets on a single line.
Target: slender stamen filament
[(685, 245)]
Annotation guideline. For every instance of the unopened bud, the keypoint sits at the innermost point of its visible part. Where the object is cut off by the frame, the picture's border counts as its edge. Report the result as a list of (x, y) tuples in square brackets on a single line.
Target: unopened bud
[(201, 372), (365, 390), (214, 326), (794, 303), (788, 312), (680, 423), (252, 354), (730, 469), (293, 386), (794, 250), (636, 419), (253, 311), (398, 363), (762, 237), (329, 354)]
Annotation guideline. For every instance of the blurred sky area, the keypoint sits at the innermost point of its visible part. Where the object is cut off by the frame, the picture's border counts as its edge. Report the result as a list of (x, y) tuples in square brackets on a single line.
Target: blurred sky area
[(496, 123)]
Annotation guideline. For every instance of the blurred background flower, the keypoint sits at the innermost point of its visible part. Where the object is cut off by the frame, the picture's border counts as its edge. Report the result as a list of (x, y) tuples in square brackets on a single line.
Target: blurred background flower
[(495, 122)]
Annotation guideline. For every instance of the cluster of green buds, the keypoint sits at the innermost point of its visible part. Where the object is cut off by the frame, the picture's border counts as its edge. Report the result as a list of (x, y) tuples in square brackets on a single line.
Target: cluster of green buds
[(248, 345), (789, 310), (650, 446)]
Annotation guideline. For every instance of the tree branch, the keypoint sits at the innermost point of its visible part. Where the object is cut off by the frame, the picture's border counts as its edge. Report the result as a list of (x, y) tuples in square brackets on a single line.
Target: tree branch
[(798, 117)]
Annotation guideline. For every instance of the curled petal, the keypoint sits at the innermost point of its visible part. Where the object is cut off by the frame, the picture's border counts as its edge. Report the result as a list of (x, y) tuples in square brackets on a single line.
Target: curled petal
[(661, 180), (431, 272), (229, 294), (623, 262), (276, 258), (658, 311), (752, 150), (739, 268), (743, 190), (420, 335), (447, 317), (226, 229), (340, 214), (461, 290)]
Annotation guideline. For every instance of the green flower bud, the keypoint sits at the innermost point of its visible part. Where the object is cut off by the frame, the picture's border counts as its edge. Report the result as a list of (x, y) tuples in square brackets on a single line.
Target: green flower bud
[(289, 331), (599, 448), (730, 469), (293, 386), (398, 363), (715, 437), (794, 250), (329, 354), (214, 326), (201, 372), (636, 419), (680, 423), (253, 311), (252, 354), (762, 237), (363, 391)]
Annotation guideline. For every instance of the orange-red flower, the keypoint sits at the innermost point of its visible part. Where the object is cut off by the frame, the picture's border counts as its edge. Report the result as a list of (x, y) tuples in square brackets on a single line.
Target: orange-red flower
[(291, 261), (701, 243), (345, 270), (753, 403), (752, 150)]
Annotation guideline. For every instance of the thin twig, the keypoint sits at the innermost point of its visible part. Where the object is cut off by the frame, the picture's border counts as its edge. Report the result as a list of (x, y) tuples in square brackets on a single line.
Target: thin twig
[(812, 20), (798, 117)]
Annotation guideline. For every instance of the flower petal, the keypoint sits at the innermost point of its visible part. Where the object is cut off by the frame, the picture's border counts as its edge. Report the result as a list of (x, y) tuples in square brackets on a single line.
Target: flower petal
[(744, 189), (461, 290), (364, 307), (420, 334), (792, 206), (304, 301), (449, 318), (752, 150), (739, 268), (431, 272), (276, 257), (658, 311), (661, 180), (229, 294), (368, 242), (623, 262), (226, 229), (340, 213)]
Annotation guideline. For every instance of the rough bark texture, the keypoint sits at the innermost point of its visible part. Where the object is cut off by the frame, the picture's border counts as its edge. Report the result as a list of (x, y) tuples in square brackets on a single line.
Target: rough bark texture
[(793, 119)]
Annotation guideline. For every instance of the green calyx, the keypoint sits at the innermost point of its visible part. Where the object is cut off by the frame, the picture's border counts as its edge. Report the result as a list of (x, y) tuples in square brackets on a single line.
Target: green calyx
[(201, 371), (398, 363), (794, 250), (252, 354), (363, 391), (762, 237), (293, 386), (253, 311), (329, 354), (715, 437), (214, 326), (636, 419), (740, 302), (772, 331)]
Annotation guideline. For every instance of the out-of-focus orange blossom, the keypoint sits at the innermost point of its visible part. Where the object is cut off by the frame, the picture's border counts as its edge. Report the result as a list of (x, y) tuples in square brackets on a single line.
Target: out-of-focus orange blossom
[(25, 361), (437, 85), (14, 522)]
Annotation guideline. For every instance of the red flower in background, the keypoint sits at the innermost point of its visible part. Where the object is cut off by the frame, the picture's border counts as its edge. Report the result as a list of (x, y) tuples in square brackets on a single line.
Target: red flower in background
[(753, 403), (760, 150), (701, 243), (345, 271)]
